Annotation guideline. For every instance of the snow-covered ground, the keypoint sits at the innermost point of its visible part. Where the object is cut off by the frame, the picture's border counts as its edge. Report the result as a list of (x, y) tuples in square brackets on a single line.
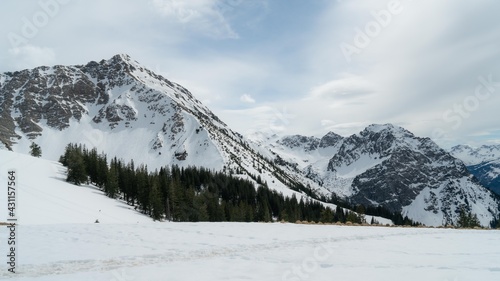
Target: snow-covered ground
[(255, 251), (57, 240), (44, 197)]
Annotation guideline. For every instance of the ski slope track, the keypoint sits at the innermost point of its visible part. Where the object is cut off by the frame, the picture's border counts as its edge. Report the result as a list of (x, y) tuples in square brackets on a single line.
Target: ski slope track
[(238, 251)]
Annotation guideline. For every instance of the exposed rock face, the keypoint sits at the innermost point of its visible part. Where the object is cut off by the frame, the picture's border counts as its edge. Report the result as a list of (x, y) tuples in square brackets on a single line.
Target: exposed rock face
[(298, 141), (386, 165), (115, 94), (309, 144), (488, 174), (483, 162), (329, 140)]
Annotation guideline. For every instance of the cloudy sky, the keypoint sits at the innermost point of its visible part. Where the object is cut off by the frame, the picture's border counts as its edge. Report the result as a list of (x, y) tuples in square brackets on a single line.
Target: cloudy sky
[(290, 66)]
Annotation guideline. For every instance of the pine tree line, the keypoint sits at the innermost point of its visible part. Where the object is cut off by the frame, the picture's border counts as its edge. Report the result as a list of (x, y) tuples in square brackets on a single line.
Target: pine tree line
[(196, 193), (467, 220)]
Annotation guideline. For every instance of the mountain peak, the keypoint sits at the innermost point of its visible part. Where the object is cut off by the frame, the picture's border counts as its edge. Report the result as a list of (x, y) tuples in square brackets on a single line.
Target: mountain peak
[(476, 155), (299, 141), (330, 139), (121, 57), (461, 147), (112, 95), (123, 60), (331, 134), (377, 128), (387, 129)]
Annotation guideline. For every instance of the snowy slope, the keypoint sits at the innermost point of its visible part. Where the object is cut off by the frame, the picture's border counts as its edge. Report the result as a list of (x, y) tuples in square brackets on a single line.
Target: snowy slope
[(476, 155), (238, 251), (302, 156), (44, 196)]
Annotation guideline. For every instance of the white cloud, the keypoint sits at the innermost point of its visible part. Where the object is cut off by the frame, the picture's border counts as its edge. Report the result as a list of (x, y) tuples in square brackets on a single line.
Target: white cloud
[(347, 87), (204, 16), (343, 129), (412, 71), (266, 119), (247, 99), (29, 56)]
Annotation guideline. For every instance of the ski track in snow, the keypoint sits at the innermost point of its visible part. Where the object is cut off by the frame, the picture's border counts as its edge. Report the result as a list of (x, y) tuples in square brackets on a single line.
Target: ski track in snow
[(173, 255)]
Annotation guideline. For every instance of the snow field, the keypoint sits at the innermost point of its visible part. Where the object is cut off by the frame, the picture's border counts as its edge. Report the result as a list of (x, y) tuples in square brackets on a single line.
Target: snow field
[(44, 197), (252, 251), (57, 239)]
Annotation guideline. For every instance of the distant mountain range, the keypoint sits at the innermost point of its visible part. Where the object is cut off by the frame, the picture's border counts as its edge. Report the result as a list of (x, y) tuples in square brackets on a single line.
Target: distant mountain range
[(128, 111), (483, 162), (387, 165)]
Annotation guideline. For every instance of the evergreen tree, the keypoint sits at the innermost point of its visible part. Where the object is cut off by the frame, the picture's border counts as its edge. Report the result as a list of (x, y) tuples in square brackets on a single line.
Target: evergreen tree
[(76, 166), (156, 200), (326, 215), (102, 171), (143, 188), (353, 217), (35, 150), (173, 199), (111, 187), (201, 206), (91, 160), (467, 220)]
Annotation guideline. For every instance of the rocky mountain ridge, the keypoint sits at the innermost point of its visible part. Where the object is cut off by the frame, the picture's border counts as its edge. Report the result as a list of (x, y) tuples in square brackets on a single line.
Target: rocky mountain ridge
[(483, 162), (122, 108), (386, 165)]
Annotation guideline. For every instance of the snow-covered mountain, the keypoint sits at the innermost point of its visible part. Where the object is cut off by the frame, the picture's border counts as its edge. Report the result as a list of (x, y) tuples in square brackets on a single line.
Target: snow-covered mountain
[(386, 165), (115, 105), (483, 162), (126, 110), (473, 156), (488, 173)]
